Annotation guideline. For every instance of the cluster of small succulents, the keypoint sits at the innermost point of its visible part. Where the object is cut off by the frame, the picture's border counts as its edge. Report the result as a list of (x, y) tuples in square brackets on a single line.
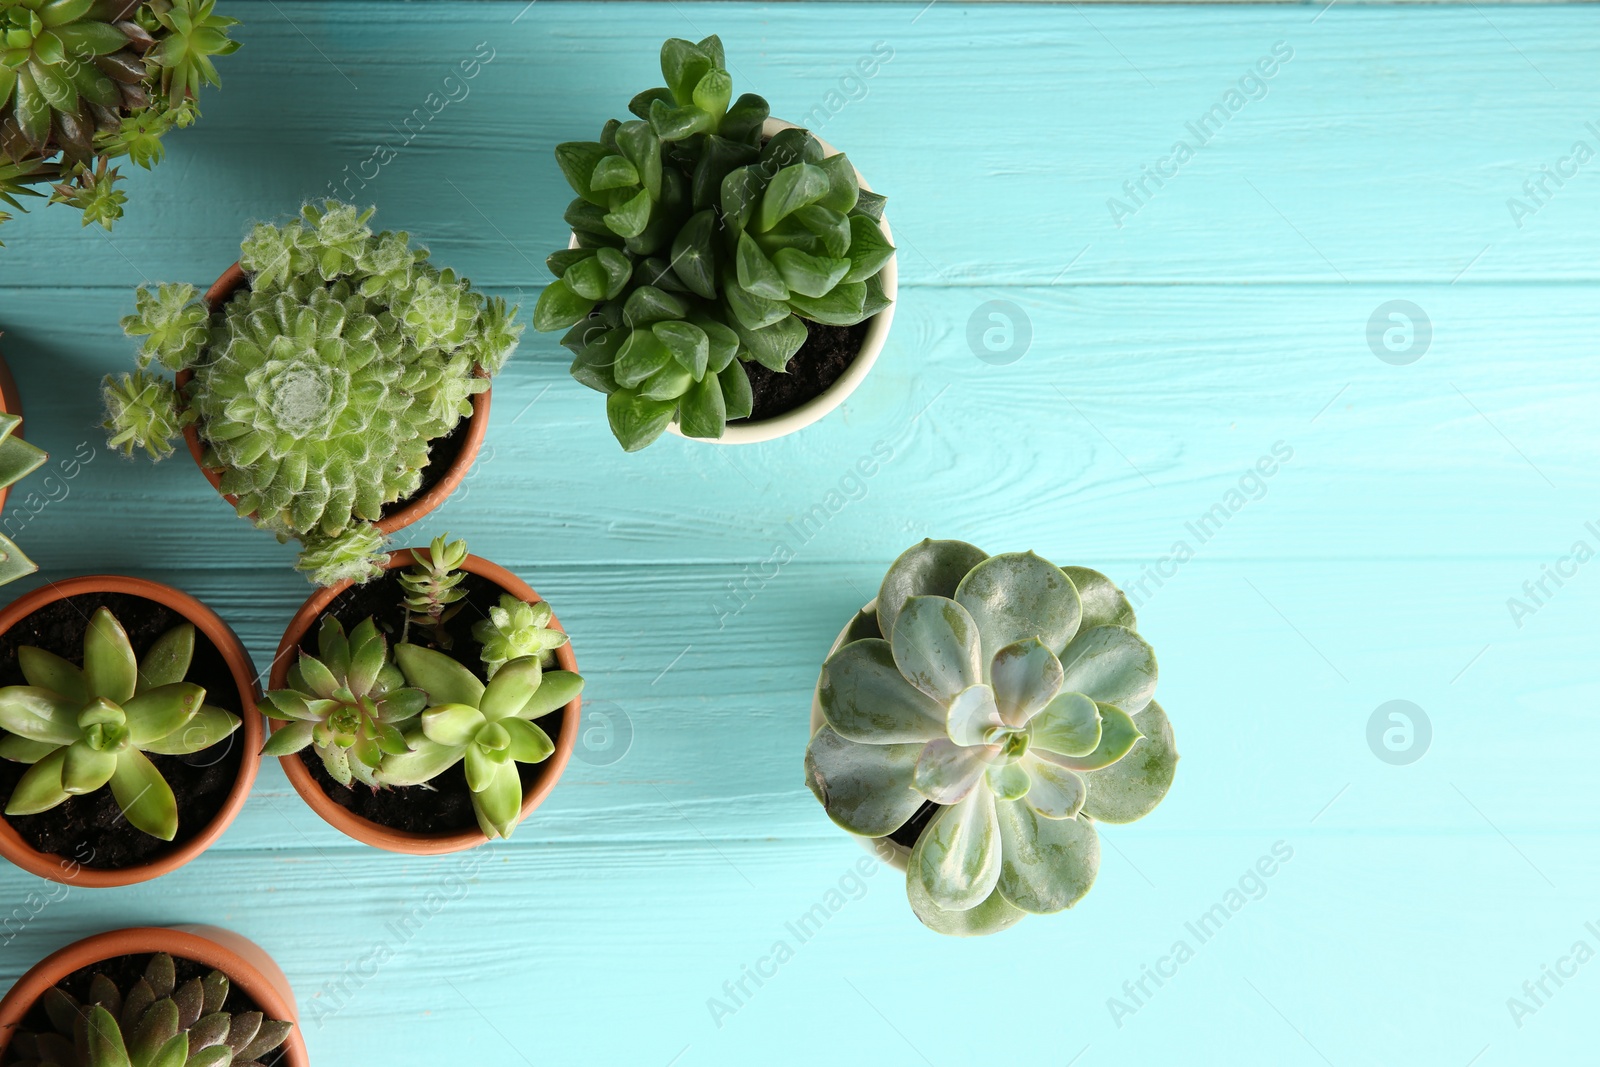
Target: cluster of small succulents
[(155, 1023), (702, 245), (318, 388), (403, 721), (84, 727), (83, 82), (1016, 697), (17, 460)]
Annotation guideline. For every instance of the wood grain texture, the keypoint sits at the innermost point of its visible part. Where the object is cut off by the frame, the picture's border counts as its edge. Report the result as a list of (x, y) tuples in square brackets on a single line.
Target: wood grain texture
[(1226, 317)]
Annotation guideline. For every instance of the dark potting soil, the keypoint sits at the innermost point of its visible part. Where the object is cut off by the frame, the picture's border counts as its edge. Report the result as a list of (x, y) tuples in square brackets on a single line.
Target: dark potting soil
[(91, 829), (442, 455), (124, 972), (907, 835), (444, 805), (826, 354)]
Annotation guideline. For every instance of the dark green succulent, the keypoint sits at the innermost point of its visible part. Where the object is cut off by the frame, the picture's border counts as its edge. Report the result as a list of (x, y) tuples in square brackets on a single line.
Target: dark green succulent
[(155, 1023), (702, 244), (83, 82)]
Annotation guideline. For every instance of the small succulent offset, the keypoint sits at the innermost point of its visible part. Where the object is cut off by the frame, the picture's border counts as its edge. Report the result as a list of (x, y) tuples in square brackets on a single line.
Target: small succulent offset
[(83, 728), (83, 82), (318, 388), (17, 460), (514, 629), (430, 586), (488, 727), (350, 702), (156, 1023), (1015, 696), (703, 245)]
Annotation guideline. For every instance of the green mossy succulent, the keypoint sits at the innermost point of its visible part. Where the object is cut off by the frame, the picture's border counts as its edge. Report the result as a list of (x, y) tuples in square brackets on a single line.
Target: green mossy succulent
[(17, 460), (83, 82), (1015, 696), (318, 388), (155, 1023), (703, 245), (350, 702), (489, 727), (85, 727)]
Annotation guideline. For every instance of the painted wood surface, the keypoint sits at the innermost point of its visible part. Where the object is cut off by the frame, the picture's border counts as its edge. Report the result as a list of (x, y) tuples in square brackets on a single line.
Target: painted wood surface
[(1229, 314)]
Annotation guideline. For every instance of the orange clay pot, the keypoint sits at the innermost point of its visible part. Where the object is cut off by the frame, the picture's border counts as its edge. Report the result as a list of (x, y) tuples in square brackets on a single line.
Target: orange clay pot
[(404, 513), (10, 404), (249, 735), (247, 966), (371, 833)]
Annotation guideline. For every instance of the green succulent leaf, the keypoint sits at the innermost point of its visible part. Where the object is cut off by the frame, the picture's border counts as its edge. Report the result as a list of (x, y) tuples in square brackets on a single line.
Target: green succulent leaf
[(866, 789), (1112, 665), (442, 678), (928, 568), (39, 788), (865, 698), (973, 716), (528, 743), (947, 770), (1131, 788), (144, 796), (158, 713), (990, 916), (452, 725), (1069, 726), (167, 661), (108, 661), (425, 761), (636, 421), (556, 690), (1103, 603), (936, 646), (1048, 864), (958, 857), (39, 714), (1026, 677), (1018, 595), (703, 411), (498, 804), (1118, 733), (1054, 792)]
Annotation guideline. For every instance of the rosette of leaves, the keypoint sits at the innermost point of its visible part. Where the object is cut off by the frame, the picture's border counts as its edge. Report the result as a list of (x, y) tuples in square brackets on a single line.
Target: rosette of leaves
[(516, 628), (155, 1023), (319, 387), (17, 460), (350, 702), (489, 727), (84, 82), (85, 727), (1015, 697), (701, 246)]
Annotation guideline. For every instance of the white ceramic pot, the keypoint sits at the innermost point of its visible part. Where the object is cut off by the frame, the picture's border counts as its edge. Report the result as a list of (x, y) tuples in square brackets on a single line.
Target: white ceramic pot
[(886, 849), (749, 433)]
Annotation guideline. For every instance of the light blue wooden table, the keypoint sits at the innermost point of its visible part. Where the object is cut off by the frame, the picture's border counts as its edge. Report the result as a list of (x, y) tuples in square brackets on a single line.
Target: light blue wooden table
[(1437, 462)]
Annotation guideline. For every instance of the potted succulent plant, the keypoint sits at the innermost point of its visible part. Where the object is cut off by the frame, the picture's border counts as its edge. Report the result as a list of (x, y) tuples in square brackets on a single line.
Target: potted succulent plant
[(120, 699), (333, 384), (428, 710), (84, 82), (731, 277), (977, 719), (17, 460), (192, 996)]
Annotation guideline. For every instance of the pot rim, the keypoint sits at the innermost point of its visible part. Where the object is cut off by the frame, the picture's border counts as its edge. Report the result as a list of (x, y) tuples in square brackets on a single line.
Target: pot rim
[(798, 418), (419, 506), (246, 964), (886, 849), (405, 841), (68, 871)]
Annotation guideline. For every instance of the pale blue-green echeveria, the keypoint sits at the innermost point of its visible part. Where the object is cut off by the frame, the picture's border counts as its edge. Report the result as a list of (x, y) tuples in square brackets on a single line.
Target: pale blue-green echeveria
[(85, 727), (488, 727), (1015, 696)]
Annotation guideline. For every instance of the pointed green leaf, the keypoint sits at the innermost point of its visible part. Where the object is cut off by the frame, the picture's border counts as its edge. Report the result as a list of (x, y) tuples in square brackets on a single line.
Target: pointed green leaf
[(791, 188), (556, 690), (809, 275), (86, 769), (1068, 726), (104, 1038), (703, 412), (108, 661), (288, 739), (869, 249), (425, 762), (157, 713), (499, 803), (209, 726), (865, 698), (1048, 864), (928, 568), (21, 750), (1117, 735), (1112, 665), (39, 714), (511, 688), (39, 788), (442, 678), (46, 670), (452, 725), (559, 307), (635, 421), (865, 789), (168, 659), (529, 743), (1131, 788), (757, 274), (737, 398), (1103, 602), (843, 185), (144, 796), (1017, 595)]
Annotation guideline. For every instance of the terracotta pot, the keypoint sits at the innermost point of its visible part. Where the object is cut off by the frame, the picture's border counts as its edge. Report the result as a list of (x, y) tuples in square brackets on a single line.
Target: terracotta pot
[(395, 516), (10, 404), (374, 834), (247, 966), (886, 849), (798, 418), (249, 736)]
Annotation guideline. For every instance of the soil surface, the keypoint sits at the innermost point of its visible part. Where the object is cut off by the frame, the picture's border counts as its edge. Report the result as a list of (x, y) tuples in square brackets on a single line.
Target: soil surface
[(125, 972), (442, 455), (91, 830), (827, 353), (444, 805)]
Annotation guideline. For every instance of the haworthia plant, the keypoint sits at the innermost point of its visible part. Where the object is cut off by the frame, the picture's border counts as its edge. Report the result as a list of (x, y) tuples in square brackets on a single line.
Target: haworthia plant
[(320, 387), (154, 1023), (17, 460), (84, 727), (1014, 695), (703, 245), (83, 82)]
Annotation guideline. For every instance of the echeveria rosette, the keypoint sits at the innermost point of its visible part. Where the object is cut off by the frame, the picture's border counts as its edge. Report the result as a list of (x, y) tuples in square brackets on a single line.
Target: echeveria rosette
[(350, 701), (489, 727), (516, 628), (319, 388), (1016, 696), (155, 1022), (702, 246), (85, 727)]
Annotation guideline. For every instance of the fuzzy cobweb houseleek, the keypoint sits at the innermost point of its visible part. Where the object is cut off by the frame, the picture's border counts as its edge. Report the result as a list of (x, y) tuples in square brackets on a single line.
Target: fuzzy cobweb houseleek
[(318, 389), (1015, 697), (83, 727), (156, 1022)]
